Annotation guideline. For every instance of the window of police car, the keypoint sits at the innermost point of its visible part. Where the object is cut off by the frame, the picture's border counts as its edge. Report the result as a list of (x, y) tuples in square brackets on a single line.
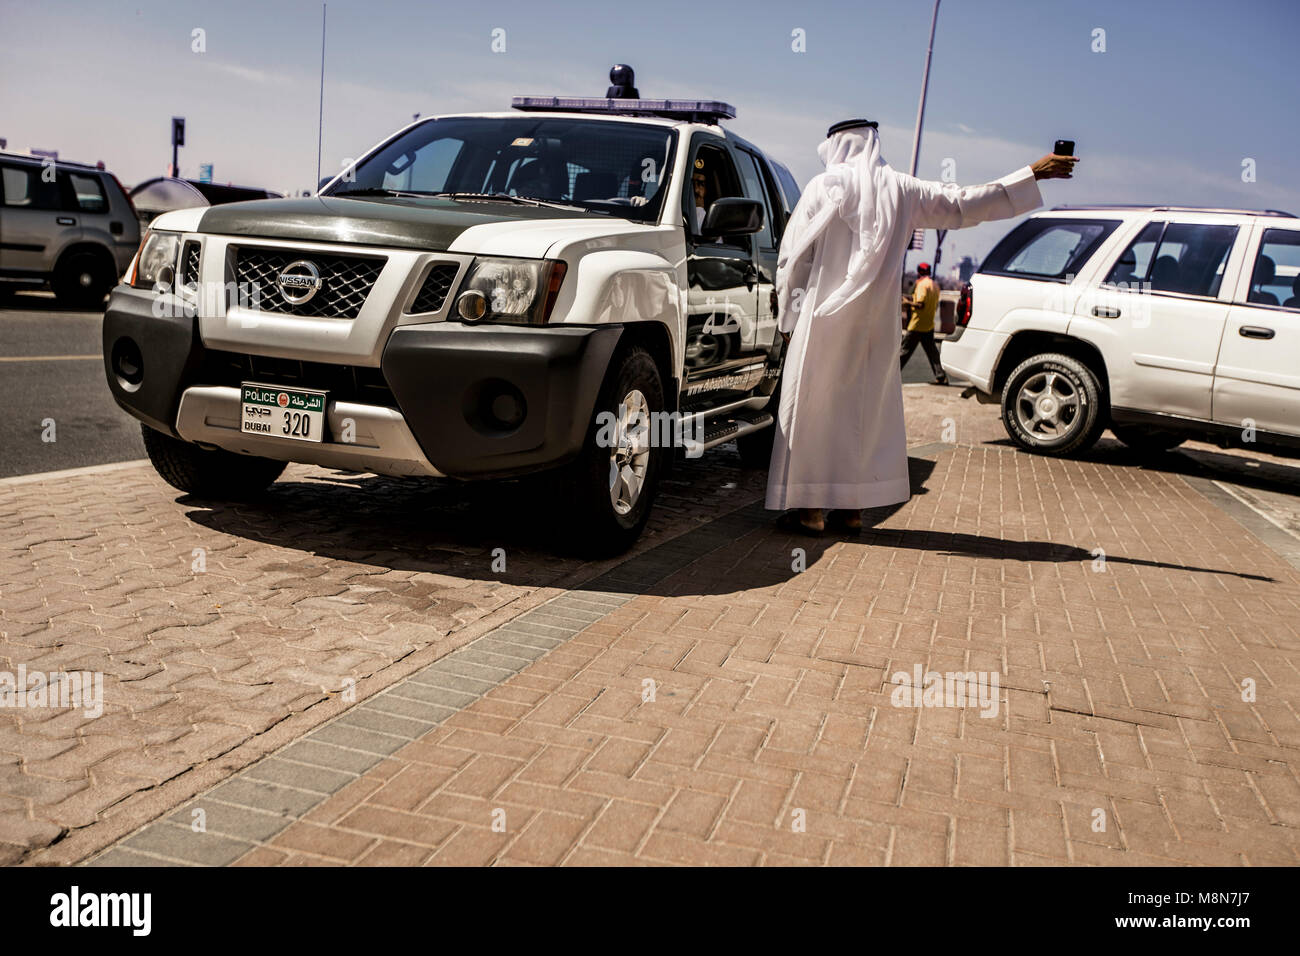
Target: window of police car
[(1048, 248), (756, 187), (620, 168), (1184, 258), (1275, 278), (713, 164)]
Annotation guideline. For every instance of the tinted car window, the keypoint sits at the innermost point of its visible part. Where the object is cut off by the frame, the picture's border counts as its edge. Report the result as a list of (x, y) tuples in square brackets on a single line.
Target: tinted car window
[(88, 192), (1275, 279), (1048, 248), (26, 188), (789, 188), (1134, 263), (1181, 257), (774, 200), (755, 188)]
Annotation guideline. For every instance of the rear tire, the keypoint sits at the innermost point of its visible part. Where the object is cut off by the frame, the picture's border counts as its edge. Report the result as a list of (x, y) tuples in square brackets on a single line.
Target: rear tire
[(1147, 440), (609, 490), (1053, 404), (214, 473), (81, 280)]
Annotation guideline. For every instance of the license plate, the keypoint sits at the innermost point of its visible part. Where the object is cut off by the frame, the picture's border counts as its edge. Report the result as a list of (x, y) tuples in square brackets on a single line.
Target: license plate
[(282, 412)]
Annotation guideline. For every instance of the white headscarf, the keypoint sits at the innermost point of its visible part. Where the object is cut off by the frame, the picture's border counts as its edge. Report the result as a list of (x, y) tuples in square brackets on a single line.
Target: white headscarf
[(857, 190)]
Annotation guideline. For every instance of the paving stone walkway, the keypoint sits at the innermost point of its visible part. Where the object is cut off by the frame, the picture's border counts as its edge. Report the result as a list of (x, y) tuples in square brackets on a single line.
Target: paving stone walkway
[(348, 680)]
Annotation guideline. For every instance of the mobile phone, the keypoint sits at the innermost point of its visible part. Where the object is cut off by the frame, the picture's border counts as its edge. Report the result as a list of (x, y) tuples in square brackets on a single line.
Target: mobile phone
[(1064, 147)]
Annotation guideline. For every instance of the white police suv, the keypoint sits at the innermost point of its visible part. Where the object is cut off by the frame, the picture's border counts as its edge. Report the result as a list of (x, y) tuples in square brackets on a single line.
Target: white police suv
[(576, 286)]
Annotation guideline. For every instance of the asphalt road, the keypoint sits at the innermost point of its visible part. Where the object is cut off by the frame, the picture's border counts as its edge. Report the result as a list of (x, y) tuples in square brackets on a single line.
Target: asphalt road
[(50, 368)]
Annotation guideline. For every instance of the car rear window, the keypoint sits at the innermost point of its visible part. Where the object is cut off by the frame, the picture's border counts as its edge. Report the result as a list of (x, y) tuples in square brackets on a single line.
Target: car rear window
[(1052, 249), (88, 192)]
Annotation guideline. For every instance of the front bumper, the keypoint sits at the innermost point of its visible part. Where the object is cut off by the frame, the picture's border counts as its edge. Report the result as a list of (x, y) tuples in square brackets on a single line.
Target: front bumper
[(456, 400), (486, 401)]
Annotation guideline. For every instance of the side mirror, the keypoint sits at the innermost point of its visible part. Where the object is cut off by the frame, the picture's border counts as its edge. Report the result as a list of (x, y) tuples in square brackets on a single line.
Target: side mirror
[(732, 216)]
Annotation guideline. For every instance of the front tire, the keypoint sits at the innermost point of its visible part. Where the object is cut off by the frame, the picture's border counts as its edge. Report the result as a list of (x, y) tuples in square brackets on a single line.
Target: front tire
[(610, 488), (214, 473), (1053, 404)]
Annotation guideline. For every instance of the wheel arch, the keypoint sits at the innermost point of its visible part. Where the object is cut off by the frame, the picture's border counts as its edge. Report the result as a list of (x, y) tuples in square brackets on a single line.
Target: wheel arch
[(1023, 345), (97, 249), (656, 339)]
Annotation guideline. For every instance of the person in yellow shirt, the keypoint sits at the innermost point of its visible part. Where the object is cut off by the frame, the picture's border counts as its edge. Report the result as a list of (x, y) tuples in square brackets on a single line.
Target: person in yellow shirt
[(923, 304)]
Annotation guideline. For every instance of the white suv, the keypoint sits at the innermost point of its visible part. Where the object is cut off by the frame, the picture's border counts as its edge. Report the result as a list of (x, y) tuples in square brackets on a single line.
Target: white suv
[(1164, 323)]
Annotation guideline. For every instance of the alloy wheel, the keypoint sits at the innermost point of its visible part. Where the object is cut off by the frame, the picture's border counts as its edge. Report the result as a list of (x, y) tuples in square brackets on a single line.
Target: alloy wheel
[(629, 454)]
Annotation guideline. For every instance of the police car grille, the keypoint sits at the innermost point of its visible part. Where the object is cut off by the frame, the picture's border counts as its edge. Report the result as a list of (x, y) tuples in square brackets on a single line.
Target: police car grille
[(347, 383), (346, 281), (436, 286)]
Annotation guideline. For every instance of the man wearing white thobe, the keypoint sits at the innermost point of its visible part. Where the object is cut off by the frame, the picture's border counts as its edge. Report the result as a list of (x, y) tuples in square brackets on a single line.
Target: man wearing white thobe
[(840, 441)]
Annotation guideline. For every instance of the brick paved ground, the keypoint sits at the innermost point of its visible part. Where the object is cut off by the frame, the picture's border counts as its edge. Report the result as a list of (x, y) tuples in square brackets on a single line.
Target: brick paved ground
[(334, 578), (1122, 735)]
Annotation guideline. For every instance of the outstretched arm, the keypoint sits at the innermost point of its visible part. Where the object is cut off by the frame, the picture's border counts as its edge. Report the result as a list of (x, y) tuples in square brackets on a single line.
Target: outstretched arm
[(949, 206)]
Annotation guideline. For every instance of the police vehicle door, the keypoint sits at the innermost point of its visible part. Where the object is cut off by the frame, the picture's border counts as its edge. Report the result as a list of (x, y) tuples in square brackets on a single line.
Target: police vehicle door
[(760, 185), (724, 351)]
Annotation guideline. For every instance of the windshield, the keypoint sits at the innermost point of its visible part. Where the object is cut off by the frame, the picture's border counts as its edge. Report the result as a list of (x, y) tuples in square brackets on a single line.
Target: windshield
[(614, 167)]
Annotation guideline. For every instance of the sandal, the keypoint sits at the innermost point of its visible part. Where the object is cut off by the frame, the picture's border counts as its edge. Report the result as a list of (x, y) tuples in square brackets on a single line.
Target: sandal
[(847, 520), (794, 521)]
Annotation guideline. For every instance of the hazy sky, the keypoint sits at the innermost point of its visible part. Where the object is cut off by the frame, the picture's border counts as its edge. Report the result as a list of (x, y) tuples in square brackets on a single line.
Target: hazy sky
[(1183, 94)]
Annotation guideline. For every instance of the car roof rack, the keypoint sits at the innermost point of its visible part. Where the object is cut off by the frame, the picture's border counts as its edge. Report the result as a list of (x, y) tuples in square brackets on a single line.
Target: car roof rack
[(33, 158), (1241, 212), (694, 111)]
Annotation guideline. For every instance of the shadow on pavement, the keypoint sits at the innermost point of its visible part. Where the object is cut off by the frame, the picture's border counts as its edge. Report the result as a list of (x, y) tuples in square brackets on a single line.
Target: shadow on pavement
[(1232, 465), (27, 300), (452, 529)]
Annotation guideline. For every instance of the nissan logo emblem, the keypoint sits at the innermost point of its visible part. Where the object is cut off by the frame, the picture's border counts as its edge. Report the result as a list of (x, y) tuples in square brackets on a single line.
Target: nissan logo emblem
[(299, 281)]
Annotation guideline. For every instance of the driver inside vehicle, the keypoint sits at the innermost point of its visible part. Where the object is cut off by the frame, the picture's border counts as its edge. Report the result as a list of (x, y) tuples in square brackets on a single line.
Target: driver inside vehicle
[(700, 186)]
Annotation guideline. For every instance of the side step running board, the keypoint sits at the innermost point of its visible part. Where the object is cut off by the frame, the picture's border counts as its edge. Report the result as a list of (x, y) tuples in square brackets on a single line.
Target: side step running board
[(723, 430)]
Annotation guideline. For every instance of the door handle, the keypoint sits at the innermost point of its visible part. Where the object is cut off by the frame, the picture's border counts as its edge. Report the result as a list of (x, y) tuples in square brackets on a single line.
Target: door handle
[(751, 275), (1105, 312), (1255, 332), (66, 221)]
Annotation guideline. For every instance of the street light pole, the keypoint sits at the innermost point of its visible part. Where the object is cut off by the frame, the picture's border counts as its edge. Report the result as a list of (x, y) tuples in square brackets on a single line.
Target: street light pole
[(320, 119), (925, 85), (920, 108)]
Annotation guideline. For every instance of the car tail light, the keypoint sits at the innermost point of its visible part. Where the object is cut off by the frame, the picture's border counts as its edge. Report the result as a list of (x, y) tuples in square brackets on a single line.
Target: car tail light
[(965, 303), (122, 189)]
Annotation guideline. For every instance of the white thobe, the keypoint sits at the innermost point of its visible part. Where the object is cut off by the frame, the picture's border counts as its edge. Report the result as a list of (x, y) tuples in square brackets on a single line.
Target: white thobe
[(840, 438)]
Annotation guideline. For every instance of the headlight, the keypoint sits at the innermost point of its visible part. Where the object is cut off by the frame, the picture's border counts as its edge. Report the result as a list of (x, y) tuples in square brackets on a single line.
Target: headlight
[(155, 266), (517, 291)]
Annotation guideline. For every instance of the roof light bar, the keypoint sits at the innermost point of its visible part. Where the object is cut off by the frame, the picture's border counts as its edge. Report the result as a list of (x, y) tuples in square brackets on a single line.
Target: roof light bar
[(701, 111)]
